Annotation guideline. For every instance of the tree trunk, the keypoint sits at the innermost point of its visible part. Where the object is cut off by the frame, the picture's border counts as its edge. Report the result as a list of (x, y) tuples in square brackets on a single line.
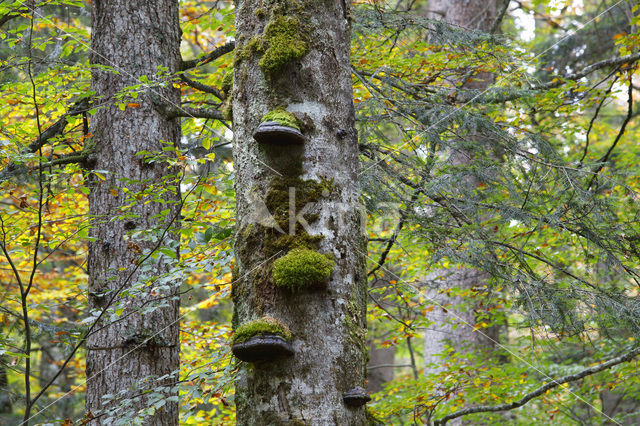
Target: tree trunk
[(453, 326), (135, 37), (5, 394), (295, 55), (380, 368)]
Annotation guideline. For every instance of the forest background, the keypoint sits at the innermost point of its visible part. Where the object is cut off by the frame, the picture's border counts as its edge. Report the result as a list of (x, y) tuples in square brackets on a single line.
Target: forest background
[(551, 219)]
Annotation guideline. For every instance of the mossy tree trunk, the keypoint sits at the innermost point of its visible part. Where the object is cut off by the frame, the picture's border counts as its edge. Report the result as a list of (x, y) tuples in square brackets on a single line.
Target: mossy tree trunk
[(294, 55), (134, 37)]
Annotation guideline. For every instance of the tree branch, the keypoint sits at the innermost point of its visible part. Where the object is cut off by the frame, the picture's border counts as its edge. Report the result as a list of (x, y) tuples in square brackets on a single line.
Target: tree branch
[(213, 55), (11, 15), (541, 390), (202, 87), (501, 95), (496, 24), (58, 127), (627, 59), (605, 157), (50, 132), (172, 111)]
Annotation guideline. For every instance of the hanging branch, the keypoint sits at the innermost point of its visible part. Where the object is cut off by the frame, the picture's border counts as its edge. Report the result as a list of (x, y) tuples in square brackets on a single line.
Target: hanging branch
[(595, 116), (14, 13), (606, 156), (541, 390)]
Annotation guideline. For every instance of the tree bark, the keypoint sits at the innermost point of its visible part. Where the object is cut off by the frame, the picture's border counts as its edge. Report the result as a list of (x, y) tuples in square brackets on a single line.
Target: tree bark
[(328, 323), (134, 37)]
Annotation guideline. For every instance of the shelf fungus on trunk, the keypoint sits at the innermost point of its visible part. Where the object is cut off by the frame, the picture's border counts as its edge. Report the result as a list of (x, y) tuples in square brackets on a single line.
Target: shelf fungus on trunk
[(279, 127), (264, 339), (356, 397)]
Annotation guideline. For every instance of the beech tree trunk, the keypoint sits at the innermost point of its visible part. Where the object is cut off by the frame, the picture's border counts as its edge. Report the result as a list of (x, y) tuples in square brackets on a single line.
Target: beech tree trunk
[(454, 326), (134, 37), (328, 324)]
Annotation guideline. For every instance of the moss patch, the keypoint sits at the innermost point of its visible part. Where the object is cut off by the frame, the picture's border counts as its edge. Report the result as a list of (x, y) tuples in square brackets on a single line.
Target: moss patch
[(301, 268), (283, 38), (264, 325), (283, 117), (307, 191), (227, 82)]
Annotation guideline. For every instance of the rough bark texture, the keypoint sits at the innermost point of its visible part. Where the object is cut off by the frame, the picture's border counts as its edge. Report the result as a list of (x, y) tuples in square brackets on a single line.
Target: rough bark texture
[(134, 37), (327, 323), (479, 15)]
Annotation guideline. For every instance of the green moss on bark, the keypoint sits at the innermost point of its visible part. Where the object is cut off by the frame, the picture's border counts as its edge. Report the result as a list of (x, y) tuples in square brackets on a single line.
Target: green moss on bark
[(282, 41), (285, 43), (264, 325), (282, 116), (302, 268), (227, 83)]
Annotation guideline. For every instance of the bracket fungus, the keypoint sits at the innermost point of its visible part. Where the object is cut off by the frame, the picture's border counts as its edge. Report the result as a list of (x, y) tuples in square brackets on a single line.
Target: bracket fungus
[(264, 339), (356, 397), (279, 127)]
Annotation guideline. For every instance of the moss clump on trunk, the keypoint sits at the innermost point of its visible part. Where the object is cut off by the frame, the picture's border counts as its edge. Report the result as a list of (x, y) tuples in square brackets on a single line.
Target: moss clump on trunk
[(227, 83), (282, 116), (301, 268), (264, 325), (283, 38)]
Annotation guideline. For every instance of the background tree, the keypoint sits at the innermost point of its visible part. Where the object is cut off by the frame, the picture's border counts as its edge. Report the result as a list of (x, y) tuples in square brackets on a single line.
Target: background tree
[(125, 358), (455, 318)]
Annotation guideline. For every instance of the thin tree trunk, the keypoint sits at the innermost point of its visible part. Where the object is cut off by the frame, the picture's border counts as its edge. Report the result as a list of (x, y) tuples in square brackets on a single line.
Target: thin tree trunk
[(135, 37), (327, 323), (5, 395)]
